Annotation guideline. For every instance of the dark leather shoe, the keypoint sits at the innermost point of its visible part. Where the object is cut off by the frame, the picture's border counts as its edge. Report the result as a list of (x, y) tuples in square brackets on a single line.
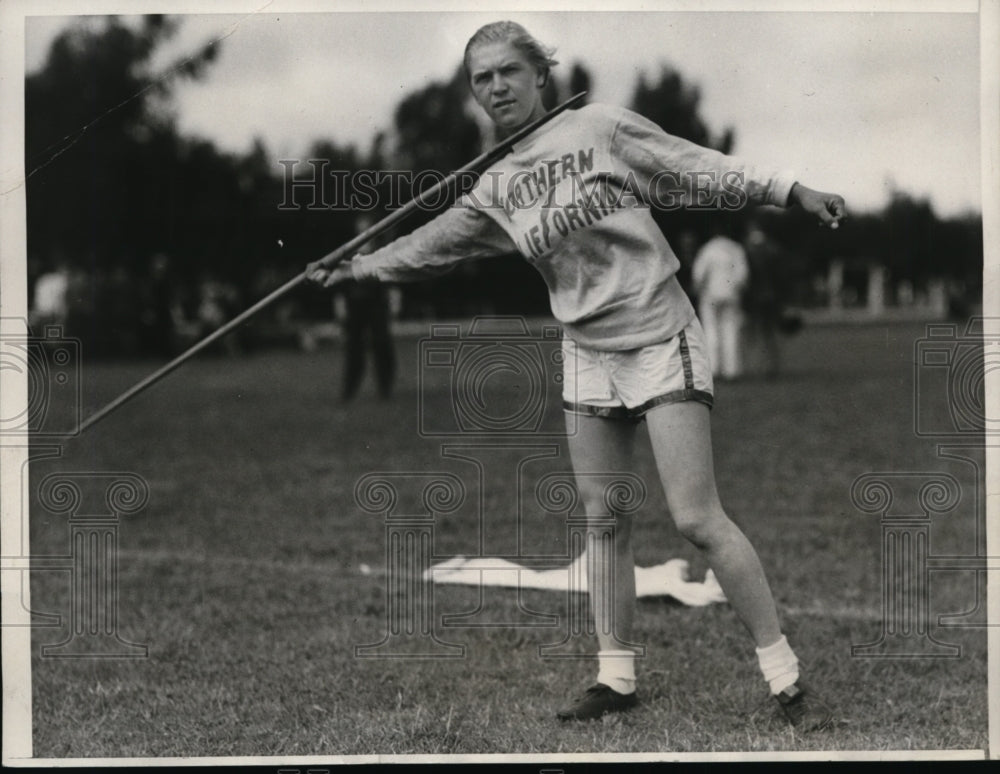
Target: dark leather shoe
[(598, 700)]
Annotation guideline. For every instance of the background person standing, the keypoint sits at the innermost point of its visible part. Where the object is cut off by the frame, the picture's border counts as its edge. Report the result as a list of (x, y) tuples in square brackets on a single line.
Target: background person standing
[(766, 294), (719, 276), (364, 309), (50, 305)]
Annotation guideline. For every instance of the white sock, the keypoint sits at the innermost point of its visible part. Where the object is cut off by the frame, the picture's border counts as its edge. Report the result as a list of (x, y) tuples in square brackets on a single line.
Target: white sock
[(617, 670), (779, 665)]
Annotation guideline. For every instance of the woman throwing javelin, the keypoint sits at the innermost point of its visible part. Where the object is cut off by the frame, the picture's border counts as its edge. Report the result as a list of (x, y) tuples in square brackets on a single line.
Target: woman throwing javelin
[(573, 198)]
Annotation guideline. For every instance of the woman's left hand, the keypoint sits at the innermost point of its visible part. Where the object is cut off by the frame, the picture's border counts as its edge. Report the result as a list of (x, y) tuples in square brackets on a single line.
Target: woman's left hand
[(828, 207)]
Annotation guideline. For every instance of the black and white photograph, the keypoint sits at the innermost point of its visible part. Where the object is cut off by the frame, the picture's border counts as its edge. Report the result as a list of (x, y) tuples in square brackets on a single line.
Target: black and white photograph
[(556, 386)]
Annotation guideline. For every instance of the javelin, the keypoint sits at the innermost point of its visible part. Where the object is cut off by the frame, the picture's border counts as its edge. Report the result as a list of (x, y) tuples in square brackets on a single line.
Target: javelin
[(332, 259)]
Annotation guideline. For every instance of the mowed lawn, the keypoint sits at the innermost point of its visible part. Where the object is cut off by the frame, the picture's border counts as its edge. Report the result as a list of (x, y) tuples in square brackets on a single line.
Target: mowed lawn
[(245, 572)]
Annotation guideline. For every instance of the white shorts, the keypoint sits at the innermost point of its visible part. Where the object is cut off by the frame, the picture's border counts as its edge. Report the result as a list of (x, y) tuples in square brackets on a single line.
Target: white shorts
[(626, 384)]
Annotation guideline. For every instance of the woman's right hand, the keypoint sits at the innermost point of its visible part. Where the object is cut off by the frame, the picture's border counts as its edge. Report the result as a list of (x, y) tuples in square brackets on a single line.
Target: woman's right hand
[(316, 272)]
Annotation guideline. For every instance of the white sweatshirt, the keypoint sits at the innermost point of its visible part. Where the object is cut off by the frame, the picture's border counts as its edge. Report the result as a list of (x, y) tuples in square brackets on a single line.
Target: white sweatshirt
[(574, 199)]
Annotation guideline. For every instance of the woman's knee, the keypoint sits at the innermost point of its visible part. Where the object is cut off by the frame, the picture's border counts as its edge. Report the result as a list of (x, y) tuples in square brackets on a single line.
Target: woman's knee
[(601, 522), (593, 498), (702, 526)]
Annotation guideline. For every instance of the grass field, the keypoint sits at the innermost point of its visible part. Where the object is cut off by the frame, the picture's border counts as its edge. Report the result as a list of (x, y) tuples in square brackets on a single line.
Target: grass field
[(242, 574)]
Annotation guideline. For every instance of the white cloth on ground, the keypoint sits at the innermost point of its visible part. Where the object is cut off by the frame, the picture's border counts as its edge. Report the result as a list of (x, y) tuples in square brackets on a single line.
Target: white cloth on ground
[(661, 580)]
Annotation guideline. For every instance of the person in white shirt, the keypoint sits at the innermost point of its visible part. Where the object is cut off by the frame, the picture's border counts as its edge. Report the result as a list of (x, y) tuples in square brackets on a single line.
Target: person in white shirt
[(51, 298), (719, 277)]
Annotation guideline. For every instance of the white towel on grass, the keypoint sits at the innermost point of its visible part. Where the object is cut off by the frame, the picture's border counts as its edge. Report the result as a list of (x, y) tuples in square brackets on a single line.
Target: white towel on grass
[(669, 579)]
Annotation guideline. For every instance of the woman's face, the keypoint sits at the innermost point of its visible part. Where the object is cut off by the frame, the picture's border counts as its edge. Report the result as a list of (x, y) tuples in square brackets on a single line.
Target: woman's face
[(506, 85)]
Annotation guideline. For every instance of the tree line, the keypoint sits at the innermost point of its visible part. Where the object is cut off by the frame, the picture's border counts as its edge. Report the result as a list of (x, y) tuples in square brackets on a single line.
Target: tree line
[(149, 220)]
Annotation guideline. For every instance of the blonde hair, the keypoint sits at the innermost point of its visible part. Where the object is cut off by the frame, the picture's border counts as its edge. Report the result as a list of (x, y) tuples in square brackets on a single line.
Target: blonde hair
[(539, 55)]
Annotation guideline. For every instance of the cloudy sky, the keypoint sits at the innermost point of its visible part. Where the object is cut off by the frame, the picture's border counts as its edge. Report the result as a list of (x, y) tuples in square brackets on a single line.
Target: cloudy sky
[(854, 102)]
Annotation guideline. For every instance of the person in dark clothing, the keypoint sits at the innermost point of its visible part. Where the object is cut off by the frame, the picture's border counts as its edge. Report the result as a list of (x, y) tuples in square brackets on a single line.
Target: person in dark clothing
[(364, 309), (159, 309), (364, 312), (765, 297)]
